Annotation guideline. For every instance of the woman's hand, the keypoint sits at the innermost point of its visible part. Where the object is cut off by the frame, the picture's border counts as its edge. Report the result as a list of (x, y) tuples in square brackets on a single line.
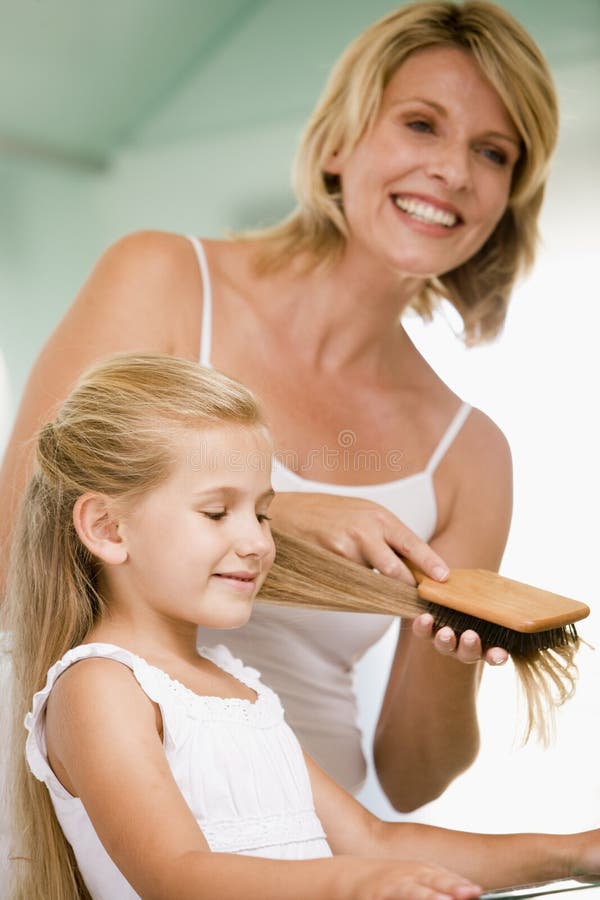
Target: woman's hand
[(367, 533), (466, 650), (357, 529)]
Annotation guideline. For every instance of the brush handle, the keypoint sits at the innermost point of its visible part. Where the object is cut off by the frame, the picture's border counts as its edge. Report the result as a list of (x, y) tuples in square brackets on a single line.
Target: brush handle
[(494, 598)]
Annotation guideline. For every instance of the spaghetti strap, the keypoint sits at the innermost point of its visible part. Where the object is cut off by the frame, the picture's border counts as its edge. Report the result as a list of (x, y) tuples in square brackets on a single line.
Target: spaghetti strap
[(455, 425), (206, 335)]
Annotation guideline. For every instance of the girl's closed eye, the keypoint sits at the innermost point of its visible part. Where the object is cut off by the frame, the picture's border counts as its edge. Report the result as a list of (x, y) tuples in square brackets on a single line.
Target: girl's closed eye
[(263, 517), (214, 514)]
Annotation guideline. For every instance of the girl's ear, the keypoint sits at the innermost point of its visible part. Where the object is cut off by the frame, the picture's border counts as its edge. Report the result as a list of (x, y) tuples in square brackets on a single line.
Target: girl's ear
[(98, 528)]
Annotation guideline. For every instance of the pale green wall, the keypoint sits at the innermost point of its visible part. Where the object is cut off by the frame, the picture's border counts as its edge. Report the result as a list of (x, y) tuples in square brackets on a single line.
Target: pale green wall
[(48, 237), (57, 222)]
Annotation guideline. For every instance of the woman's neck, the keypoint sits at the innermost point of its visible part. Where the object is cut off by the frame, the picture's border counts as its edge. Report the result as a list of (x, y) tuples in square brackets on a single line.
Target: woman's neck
[(341, 315)]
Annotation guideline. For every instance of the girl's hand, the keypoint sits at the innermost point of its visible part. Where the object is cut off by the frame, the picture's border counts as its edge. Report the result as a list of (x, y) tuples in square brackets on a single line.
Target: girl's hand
[(584, 855), (403, 880), (357, 529), (466, 650)]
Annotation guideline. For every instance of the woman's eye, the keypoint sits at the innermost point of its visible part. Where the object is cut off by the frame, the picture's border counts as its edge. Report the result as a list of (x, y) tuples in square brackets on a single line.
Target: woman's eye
[(214, 515), (494, 155), (262, 517), (419, 125)]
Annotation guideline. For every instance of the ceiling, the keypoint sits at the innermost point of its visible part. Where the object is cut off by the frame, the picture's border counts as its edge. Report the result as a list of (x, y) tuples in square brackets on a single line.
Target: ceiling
[(80, 79)]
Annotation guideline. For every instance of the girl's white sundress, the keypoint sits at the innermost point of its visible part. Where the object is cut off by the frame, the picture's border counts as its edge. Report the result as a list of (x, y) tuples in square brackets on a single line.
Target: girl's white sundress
[(237, 763)]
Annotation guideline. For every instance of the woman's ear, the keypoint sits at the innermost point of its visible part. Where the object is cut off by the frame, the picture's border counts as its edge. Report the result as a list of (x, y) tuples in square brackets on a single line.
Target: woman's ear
[(98, 528), (333, 164)]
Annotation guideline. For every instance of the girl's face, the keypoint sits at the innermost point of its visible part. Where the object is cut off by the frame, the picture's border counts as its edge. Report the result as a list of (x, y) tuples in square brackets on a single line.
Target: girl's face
[(426, 186), (199, 546)]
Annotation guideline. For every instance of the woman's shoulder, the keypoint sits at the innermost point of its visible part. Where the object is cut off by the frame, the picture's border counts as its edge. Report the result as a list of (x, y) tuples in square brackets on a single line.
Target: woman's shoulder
[(144, 292), (153, 258), (485, 440)]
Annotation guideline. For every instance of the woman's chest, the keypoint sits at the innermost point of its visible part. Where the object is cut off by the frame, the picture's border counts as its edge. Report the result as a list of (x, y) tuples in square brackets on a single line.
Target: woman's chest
[(342, 432)]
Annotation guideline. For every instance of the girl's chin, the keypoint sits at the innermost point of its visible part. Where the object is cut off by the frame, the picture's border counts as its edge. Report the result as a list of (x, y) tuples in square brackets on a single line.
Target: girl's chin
[(229, 619)]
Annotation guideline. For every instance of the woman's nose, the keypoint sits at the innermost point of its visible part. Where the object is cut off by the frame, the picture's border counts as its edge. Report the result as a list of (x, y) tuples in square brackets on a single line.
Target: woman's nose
[(451, 164)]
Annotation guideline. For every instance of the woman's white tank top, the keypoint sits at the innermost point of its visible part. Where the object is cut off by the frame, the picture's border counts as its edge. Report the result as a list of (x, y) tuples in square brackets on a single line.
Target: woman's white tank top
[(307, 656)]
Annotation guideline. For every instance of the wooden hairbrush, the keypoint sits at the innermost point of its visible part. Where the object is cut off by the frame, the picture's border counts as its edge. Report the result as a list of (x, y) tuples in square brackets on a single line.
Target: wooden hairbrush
[(504, 613)]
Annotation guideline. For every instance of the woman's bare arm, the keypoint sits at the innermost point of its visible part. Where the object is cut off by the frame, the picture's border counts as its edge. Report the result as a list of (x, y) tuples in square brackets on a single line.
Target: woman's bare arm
[(428, 722), (140, 296)]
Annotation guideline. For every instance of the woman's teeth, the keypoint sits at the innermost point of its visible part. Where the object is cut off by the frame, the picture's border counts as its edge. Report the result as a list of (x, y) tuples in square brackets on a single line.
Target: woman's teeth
[(425, 212)]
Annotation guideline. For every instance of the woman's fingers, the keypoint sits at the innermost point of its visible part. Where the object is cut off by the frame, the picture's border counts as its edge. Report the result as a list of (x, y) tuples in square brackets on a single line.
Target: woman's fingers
[(360, 530), (406, 544), (466, 650), (377, 554), (496, 656), (386, 544)]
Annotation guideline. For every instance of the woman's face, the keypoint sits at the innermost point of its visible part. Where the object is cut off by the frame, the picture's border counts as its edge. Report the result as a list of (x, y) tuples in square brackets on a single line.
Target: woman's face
[(426, 186)]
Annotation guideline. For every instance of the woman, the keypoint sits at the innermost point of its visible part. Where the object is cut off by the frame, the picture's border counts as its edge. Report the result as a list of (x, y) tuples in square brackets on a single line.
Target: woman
[(421, 174)]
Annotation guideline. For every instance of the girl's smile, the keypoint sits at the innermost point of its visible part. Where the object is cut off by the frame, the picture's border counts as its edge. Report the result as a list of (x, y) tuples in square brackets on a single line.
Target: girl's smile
[(241, 581)]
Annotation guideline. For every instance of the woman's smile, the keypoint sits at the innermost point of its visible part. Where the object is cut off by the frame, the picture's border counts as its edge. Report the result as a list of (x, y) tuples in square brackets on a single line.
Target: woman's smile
[(426, 211), (426, 185)]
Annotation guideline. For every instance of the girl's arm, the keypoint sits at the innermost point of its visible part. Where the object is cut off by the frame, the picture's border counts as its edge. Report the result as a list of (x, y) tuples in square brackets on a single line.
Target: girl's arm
[(143, 294), (428, 721), (103, 742), (492, 861)]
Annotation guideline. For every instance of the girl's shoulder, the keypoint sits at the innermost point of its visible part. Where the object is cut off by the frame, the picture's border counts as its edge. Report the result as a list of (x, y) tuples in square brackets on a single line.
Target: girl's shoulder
[(88, 673), (86, 676), (85, 692)]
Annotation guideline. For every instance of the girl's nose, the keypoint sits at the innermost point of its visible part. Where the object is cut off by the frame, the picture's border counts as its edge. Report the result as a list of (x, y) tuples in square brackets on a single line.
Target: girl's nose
[(255, 540)]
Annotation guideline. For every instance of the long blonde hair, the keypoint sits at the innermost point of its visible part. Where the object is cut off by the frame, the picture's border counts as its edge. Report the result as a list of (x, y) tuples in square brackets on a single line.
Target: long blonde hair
[(112, 435), (480, 288)]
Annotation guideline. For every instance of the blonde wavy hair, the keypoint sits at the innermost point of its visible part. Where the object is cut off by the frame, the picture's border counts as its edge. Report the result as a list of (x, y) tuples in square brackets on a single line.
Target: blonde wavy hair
[(114, 435), (480, 288)]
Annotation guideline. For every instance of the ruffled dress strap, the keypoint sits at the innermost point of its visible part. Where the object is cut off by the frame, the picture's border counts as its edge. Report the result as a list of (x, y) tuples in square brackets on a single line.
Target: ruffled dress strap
[(146, 675), (222, 657)]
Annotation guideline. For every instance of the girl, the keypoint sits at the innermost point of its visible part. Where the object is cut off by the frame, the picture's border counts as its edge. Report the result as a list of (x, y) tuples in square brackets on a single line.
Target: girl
[(420, 175), (147, 516)]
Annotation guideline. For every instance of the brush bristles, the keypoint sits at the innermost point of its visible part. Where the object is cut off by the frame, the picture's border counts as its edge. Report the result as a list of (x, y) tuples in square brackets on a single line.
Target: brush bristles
[(517, 643)]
